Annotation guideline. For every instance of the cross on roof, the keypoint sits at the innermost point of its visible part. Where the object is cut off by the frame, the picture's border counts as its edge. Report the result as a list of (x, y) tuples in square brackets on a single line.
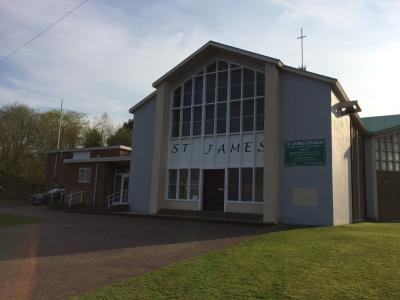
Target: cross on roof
[(301, 37)]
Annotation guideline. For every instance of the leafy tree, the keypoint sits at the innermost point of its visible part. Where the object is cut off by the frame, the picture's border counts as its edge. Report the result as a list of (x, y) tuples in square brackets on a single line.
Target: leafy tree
[(104, 126), (18, 131), (26, 135), (92, 138), (72, 129), (122, 136)]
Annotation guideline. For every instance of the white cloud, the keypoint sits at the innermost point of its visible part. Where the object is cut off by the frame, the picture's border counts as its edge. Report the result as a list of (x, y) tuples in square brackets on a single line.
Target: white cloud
[(105, 56)]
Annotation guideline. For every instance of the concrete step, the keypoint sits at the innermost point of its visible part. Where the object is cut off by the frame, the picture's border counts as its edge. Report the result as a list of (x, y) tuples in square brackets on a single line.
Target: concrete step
[(212, 216)]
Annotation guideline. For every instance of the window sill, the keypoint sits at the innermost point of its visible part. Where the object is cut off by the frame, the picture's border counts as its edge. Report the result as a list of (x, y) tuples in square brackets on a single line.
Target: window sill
[(244, 202), (182, 200)]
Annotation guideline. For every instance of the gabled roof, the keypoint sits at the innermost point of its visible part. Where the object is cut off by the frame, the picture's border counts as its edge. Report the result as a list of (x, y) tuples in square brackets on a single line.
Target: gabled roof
[(143, 101), (209, 46), (381, 124), (212, 46)]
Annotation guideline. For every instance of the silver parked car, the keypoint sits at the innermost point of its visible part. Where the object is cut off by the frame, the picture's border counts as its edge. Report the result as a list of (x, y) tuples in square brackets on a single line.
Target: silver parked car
[(44, 198)]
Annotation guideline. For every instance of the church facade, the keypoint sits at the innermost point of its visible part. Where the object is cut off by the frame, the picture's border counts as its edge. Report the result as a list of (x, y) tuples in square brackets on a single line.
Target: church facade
[(228, 130)]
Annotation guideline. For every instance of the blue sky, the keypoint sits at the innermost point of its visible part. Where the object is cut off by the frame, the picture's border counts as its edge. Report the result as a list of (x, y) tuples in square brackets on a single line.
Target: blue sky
[(105, 55)]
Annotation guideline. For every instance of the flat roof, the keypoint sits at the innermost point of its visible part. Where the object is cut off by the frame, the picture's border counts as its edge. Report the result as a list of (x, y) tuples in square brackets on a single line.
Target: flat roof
[(92, 149), (97, 159)]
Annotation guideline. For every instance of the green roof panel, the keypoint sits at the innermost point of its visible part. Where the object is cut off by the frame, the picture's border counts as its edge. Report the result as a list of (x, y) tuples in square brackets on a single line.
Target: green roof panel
[(381, 123)]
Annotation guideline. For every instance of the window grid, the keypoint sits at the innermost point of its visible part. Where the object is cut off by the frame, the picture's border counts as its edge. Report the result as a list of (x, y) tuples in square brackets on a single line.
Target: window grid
[(235, 185), (387, 153), (184, 126), (238, 188), (84, 175), (183, 182)]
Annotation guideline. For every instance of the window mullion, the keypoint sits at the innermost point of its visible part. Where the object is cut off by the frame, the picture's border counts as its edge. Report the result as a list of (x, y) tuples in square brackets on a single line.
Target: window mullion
[(178, 175), (253, 186), (189, 184), (240, 185), (241, 99)]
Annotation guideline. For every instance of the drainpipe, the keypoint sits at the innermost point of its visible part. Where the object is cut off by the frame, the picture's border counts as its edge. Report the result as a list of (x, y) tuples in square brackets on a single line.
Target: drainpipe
[(95, 183)]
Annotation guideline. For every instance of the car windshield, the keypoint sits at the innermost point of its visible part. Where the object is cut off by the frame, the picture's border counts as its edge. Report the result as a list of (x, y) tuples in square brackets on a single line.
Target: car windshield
[(55, 190)]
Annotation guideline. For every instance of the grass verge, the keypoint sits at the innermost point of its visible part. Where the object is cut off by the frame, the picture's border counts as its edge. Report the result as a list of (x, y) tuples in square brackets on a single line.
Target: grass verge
[(11, 219), (360, 261)]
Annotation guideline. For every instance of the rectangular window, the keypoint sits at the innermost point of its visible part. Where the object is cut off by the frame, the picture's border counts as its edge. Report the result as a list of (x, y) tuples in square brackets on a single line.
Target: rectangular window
[(248, 115), (260, 84), (387, 154), (172, 178), (212, 68), (183, 184), (260, 114), (236, 84), (84, 175), (248, 83), (186, 122), (177, 97), (233, 184), (259, 184), (222, 65), (194, 184), (210, 88), (222, 86), (234, 117), (247, 184), (209, 119), (198, 90), (197, 112), (176, 119), (187, 95), (221, 117)]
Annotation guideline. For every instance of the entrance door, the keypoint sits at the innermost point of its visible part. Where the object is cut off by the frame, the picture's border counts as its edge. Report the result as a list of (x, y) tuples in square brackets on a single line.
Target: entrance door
[(124, 188), (121, 183), (213, 190)]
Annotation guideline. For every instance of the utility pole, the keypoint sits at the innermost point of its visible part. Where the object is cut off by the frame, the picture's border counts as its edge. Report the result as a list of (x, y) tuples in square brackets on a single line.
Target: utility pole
[(58, 141), (301, 37), (59, 127)]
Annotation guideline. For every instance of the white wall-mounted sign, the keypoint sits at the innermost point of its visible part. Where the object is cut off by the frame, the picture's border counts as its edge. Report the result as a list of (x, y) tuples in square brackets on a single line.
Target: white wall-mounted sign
[(217, 151)]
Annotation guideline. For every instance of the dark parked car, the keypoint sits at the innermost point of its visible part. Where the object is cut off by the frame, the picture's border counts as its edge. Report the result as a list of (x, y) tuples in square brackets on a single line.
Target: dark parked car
[(54, 194)]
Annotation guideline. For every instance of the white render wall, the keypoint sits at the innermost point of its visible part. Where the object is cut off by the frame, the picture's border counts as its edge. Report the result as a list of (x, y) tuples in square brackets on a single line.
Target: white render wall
[(341, 167)]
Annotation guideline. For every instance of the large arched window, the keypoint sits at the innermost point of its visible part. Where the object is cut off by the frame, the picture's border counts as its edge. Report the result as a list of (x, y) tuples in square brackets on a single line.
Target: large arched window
[(221, 98)]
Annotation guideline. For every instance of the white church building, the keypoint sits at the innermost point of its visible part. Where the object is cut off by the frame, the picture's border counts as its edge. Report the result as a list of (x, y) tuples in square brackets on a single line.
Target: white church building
[(232, 131)]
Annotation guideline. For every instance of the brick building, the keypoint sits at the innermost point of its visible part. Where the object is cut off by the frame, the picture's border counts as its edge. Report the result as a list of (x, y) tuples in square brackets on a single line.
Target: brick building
[(97, 172)]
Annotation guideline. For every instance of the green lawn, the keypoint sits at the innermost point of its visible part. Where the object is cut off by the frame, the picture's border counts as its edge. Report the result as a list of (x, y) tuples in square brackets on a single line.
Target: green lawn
[(360, 261), (11, 219)]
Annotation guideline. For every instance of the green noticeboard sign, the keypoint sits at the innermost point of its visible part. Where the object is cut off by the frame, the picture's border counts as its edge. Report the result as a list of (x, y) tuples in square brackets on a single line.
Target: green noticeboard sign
[(305, 153)]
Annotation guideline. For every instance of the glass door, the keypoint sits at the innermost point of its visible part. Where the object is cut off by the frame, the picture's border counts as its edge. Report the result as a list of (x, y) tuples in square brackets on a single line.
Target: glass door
[(124, 188), (121, 185)]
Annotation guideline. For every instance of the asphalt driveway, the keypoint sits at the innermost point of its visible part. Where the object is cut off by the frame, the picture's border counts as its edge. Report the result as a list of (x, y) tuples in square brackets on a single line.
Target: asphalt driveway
[(71, 253)]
